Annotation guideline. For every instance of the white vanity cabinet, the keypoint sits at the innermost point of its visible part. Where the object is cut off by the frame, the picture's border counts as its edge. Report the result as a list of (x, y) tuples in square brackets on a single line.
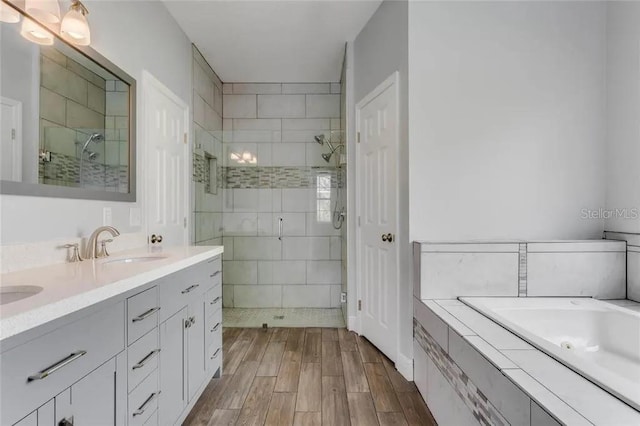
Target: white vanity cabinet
[(185, 362)]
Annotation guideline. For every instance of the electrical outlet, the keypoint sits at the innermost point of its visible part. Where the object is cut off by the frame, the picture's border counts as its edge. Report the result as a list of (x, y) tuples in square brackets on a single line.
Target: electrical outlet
[(343, 297), (106, 216), (134, 217)]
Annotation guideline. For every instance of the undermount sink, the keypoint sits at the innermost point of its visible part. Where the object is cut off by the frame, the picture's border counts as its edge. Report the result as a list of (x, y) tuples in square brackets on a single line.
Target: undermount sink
[(13, 293), (134, 259)]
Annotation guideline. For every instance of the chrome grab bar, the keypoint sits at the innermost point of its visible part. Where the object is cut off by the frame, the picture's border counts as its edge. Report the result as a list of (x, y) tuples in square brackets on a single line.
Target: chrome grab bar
[(216, 300), (280, 221), (146, 314), (216, 353), (57, 366), (143, 407), (215, 327), (144, 360), (191, 288)]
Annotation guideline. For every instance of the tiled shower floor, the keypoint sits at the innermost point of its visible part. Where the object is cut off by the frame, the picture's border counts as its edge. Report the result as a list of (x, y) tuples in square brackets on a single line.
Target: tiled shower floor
[(282, 317)]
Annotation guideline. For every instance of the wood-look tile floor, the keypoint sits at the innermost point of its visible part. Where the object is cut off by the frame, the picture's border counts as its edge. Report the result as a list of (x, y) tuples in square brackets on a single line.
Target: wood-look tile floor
[(306, 376)]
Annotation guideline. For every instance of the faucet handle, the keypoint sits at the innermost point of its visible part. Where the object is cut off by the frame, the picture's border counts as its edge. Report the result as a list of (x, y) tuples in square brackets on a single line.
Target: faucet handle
[(103, 248), (75, 255)]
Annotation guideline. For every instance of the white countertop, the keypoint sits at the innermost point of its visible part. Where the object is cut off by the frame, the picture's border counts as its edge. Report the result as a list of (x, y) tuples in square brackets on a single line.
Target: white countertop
[(70, 287)]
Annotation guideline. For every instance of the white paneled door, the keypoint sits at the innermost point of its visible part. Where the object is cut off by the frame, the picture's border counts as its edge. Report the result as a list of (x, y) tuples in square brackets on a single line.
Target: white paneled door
[(377, 205), (166, 168), (11, 139)]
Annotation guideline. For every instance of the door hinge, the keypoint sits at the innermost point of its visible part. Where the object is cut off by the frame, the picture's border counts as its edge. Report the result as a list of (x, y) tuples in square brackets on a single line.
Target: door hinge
[(13, 134), (358, 221), (185, 138), (358, 137), (359, 305), (185, 222)]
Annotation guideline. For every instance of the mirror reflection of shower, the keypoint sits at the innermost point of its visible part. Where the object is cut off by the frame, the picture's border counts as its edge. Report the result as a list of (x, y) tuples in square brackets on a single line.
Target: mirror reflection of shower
[(90, 155), (338, 210)]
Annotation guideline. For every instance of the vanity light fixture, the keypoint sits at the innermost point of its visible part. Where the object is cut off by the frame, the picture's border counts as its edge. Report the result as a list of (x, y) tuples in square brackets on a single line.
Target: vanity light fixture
[(35, 33), (75, 27), (9, 14), (43, 10)]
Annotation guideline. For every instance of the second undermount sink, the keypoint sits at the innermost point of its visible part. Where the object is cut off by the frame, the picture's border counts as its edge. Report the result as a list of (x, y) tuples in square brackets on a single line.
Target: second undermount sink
[(13, 293), (134, 259)]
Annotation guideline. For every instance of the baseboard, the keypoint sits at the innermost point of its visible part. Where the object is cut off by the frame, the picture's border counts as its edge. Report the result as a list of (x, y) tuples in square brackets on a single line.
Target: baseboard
[(405, 366), (352, 324)]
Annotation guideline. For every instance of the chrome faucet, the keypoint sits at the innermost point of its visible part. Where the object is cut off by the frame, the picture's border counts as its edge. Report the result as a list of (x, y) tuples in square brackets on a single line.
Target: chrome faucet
[(91, 249)]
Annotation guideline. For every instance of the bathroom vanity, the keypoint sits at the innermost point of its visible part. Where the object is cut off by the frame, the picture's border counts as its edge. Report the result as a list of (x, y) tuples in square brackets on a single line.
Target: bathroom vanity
[(127, 340)]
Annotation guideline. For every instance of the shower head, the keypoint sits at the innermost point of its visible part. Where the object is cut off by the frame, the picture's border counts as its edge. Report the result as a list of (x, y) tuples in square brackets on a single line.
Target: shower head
[(319, 138), (327, 156), (95, 137)]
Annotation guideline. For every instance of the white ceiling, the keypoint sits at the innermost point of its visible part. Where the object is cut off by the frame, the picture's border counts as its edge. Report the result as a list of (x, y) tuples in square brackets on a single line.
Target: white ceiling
[(273, 41)]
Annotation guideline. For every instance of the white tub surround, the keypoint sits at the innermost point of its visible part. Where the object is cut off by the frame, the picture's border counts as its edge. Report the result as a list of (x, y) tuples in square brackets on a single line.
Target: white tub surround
[(598, 340), (633, 261), (71, 287), (594, 268), (471, 370)]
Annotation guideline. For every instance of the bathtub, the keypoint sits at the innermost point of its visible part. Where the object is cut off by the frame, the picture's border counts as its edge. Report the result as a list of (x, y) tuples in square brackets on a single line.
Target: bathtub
[(596, 339)]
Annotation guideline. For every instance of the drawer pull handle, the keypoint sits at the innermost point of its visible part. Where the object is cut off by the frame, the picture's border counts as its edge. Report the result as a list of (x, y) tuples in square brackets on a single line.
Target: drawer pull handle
[(216, 300), (216, 353), (146, 314), (215, 327), (215, 274), (144, 360), (191, 288), (143, 407), (57, 366)]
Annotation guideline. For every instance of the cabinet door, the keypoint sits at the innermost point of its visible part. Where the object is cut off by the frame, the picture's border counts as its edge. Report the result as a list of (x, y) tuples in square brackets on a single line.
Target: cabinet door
[(91, 400), (172, 368), (196, 349)]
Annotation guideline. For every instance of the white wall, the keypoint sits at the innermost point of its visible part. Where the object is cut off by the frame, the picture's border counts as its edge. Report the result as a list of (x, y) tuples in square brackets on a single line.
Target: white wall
[(623, 136), (507, 119), (136, 36), (380, 49)]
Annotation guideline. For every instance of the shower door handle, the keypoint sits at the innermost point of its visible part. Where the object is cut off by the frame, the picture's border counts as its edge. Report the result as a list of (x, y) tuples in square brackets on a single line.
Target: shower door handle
[(280, 221)]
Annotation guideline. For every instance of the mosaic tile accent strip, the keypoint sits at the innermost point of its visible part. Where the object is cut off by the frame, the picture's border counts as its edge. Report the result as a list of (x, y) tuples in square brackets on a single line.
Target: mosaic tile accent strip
[(64, 170), (277, 177), (522, 270), (481, 408)]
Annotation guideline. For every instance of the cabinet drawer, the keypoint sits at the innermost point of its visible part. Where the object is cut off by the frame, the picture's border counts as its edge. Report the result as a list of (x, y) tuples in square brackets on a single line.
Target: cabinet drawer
[(179, 289), (213, 327), (213, 355), (143, 358), (36, 371), (142, 314), (212, 300), (143, 401)]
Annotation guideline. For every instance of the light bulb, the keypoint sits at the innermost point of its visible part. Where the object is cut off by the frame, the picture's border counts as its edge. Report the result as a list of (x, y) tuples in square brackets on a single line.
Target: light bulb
[(9, 14), (43, 10), (35, 33), (75, 28), (246, 156)]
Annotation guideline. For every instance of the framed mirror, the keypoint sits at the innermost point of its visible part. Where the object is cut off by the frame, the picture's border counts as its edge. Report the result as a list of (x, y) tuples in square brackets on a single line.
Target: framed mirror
[(68, 120)]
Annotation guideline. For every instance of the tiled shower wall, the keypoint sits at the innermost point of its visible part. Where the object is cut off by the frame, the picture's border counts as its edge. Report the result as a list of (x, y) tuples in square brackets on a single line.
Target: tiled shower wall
[(343, 174), (273, 170), (207, 153)]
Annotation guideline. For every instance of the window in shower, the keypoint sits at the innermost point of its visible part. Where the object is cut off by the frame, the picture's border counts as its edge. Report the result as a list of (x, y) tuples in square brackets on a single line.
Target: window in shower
[(323, 197)]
